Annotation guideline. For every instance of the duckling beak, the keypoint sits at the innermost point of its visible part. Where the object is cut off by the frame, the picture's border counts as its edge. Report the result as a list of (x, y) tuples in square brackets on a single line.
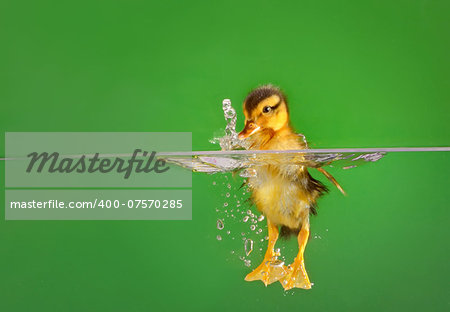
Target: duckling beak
[(249, 129)]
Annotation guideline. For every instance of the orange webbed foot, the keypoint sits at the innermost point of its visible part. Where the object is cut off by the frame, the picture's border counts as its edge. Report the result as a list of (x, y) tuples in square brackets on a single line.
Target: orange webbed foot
[(296, 277), (269, 271)]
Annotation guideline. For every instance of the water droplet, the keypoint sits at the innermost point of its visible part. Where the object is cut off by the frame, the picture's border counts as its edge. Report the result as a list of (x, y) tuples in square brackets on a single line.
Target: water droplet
[(227, 194), (228, 232), (220, 225), (248, 247), (214, 183), (245, 219), (225, 204), (219, 238), (247, 263), (260, 218), (252, 227), (259, 231), (249, 212)]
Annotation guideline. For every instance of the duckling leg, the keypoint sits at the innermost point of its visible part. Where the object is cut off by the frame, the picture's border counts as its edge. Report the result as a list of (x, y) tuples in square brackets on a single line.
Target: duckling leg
[(271, 269), (297, 276)]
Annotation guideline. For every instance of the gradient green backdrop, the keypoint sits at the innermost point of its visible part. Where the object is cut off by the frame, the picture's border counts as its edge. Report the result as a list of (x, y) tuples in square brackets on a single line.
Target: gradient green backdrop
[(357, 74)]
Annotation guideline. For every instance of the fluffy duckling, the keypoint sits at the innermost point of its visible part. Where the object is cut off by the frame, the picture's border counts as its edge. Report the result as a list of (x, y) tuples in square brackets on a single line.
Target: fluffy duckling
[(284, 192)]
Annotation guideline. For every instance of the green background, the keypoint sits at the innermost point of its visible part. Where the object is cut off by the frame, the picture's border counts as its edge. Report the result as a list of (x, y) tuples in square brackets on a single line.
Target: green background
[(357, 74)]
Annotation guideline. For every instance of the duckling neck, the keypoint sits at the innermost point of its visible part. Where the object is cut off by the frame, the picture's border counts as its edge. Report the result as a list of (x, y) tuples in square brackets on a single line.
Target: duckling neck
[(283, 132)]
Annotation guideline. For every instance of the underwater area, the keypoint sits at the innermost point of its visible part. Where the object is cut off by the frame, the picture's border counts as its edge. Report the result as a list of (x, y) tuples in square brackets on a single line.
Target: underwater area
[(372, 74), (242, 229)]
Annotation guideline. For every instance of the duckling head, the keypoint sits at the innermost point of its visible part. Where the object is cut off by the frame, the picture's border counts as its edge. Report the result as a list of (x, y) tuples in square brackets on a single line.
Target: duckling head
[(265, 110)]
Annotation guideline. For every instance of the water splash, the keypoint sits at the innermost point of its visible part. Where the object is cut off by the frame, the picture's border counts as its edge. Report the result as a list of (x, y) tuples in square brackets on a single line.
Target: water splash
[(230, 140), (235, 156)]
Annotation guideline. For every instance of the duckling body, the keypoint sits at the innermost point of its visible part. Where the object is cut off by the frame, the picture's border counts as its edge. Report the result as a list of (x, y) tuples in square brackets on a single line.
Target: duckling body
[(282, 189)]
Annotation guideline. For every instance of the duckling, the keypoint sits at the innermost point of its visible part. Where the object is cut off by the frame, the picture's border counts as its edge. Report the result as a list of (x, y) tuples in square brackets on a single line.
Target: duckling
[(285, 193)]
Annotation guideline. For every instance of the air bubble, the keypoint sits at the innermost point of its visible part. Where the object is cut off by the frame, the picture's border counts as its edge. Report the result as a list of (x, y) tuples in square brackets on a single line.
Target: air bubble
[(248, 247)]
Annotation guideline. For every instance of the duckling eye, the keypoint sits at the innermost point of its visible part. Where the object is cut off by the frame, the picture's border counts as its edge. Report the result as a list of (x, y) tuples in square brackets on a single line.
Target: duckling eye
[(267, 109)]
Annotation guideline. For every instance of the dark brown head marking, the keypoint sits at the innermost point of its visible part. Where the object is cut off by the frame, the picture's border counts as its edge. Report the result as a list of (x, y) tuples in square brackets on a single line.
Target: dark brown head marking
[(261, 93)]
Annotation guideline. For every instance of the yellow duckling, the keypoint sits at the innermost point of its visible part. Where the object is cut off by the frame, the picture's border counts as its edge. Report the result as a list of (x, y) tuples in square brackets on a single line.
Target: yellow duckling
[(284, 192)]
